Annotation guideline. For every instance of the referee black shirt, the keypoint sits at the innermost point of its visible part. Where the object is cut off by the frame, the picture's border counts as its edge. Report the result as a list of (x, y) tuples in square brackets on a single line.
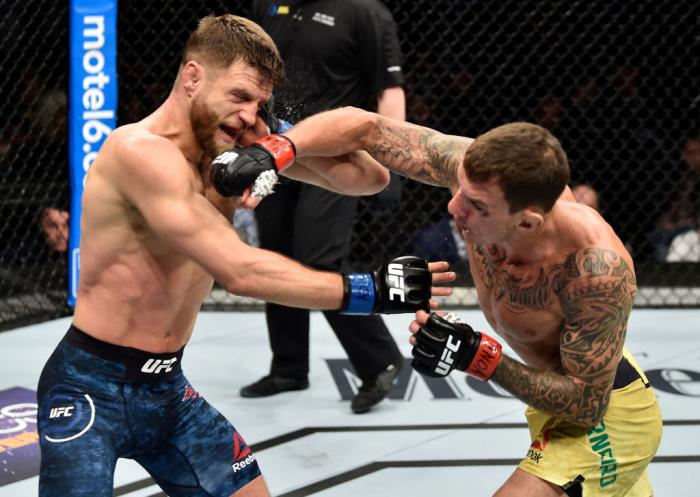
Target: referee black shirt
[(336, 53)]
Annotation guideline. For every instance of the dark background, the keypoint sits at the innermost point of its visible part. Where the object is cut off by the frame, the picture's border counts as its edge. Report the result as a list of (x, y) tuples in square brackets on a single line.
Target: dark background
[(620, 81)]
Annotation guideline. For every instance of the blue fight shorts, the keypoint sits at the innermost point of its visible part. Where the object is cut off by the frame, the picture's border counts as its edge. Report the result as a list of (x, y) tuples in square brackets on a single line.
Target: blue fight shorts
[(99, 402)]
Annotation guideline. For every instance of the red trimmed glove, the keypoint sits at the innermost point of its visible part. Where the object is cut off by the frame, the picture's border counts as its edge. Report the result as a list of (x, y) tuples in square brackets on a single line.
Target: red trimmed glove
[(237, 169), (444, 344)]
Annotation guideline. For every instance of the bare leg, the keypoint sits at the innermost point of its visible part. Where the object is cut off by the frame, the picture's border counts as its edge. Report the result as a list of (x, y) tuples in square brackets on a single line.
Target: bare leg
[(256, 488), (523, 484)]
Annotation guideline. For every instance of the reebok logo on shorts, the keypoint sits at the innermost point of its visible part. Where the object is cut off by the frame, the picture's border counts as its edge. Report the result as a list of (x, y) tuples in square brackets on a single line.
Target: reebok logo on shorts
[(190, 393), (240, 465), (241, 453), (536, 447)]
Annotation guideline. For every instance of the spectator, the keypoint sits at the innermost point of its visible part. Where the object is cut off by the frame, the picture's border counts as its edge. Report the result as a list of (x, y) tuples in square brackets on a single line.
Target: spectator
[(579, 127), (54, 225), (418, 110), (685, 247), (548, 113), (441, 241), (586, 195), (684, 202)]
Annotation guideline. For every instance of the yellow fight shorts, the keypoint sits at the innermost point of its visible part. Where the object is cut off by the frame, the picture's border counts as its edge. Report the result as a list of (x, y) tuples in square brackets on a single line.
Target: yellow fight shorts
[(609, 459)]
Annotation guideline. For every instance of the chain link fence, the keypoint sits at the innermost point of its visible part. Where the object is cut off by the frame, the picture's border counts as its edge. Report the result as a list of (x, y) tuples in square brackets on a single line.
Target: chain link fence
[(617, 82), (33, 161)]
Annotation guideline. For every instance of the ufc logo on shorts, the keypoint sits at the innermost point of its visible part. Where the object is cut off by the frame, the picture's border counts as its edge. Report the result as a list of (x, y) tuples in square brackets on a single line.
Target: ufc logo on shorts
[(225, 158), (446, 360), (156, 366), (396, 281), (58, 412)]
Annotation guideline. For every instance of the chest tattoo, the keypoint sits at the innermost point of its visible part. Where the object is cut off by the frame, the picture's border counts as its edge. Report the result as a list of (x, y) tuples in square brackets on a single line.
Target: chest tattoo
[(519, 293)]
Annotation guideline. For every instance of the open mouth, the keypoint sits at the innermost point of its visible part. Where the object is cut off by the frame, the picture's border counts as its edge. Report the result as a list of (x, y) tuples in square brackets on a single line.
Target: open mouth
[(230, 132), (462, 228)]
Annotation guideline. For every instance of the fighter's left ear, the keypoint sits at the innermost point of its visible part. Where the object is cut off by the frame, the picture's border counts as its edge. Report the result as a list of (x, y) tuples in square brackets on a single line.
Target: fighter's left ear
[(531, 218), (192, 76)]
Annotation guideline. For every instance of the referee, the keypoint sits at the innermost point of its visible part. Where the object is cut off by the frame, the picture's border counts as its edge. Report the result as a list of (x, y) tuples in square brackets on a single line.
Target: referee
[(336, 53)]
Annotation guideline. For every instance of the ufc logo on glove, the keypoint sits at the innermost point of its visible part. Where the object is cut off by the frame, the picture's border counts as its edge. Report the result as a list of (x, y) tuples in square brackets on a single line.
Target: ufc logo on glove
[(396, 280), (446, 361), (445, 343)]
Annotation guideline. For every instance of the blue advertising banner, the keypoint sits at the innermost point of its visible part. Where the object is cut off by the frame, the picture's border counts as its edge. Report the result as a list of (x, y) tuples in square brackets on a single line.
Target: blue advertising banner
[(92, 105), (19, 439)]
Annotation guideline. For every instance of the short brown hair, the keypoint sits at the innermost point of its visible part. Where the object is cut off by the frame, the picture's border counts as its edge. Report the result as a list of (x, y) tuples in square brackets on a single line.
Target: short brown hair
[(527, 160), (223, 40)]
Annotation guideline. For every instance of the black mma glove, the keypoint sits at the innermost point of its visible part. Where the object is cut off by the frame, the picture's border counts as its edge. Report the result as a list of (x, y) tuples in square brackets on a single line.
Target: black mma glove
[(237, 169), (402, 285), (446, 343)]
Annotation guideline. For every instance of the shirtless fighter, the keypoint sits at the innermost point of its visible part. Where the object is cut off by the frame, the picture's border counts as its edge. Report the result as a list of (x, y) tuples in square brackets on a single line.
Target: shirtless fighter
[(553, 280), (155, 235)]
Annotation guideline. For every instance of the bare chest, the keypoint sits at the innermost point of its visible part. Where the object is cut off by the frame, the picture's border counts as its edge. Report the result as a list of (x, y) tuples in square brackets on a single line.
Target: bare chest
[(154, 265), (520, 303)]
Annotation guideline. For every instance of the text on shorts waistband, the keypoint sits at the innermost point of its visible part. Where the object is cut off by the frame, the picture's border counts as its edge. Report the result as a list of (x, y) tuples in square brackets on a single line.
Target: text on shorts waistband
[(140, 365)]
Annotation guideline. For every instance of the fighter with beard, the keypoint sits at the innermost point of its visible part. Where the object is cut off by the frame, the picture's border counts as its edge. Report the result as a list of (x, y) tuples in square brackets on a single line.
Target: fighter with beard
[(154, 236)]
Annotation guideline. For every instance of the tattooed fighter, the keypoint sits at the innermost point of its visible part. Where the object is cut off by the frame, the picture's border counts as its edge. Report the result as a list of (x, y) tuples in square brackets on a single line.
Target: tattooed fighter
[(553, 279)]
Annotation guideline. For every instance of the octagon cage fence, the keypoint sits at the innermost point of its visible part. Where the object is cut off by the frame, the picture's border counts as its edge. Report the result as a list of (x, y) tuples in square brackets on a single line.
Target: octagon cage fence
[(616, 82)]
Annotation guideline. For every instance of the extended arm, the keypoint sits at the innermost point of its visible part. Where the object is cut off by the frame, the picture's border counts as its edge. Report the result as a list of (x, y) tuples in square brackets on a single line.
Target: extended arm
[(176, 211), (354, 173), (420, 153), (596, 288)]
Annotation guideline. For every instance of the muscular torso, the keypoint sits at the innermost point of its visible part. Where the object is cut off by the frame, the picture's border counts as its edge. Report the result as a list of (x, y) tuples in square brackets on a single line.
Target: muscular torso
[(135, 289), (522, 302)]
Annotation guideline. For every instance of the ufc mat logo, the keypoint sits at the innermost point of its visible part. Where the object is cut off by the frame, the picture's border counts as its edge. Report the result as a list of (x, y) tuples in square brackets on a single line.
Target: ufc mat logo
[(443, 366), (156, 366), (396, 280), (58, 412)]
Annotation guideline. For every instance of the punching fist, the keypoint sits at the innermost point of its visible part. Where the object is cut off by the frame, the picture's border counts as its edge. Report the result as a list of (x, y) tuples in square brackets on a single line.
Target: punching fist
[(238, 169), (402, 285), (445, 343)]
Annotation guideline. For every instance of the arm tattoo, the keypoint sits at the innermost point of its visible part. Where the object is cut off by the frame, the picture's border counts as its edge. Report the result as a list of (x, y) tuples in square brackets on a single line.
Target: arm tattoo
[(596, 289), (419, 153)]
